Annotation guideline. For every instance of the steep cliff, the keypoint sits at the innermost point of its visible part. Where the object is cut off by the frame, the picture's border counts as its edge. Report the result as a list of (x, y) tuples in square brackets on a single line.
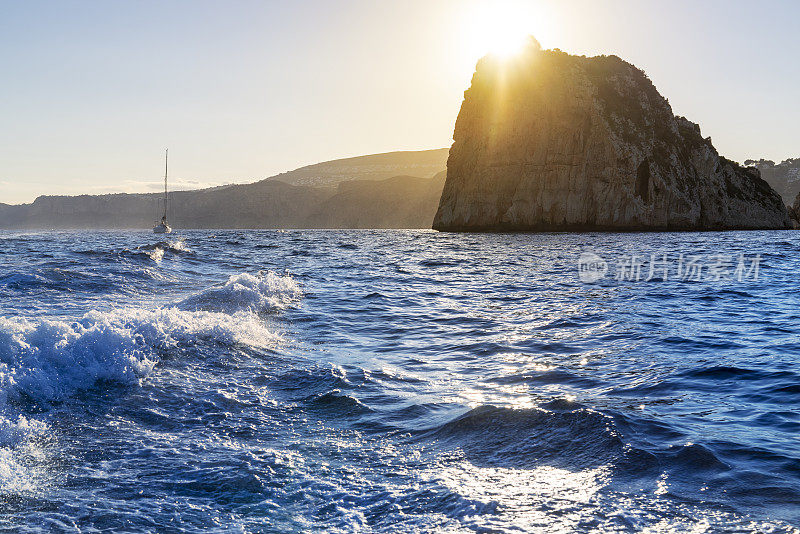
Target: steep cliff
[(550, 141)]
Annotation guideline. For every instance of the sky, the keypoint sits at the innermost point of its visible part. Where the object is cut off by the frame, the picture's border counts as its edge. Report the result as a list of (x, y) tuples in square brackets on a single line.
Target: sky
[(91, 92)]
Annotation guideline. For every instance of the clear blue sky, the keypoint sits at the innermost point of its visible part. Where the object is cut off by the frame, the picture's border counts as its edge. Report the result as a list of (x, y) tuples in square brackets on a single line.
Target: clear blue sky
[(92, 91)]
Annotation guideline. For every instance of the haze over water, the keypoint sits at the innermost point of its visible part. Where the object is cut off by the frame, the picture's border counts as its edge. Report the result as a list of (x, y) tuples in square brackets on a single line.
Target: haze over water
[(394, 381)]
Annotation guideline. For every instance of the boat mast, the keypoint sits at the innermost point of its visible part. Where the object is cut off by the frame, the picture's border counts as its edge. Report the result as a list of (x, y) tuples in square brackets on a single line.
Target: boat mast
[(166, 170)]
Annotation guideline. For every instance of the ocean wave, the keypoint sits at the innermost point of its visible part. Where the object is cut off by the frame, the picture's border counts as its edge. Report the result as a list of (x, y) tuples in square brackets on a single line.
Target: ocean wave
[(314, 380), (259, 293), (43, 362), (60, 281), (564, 434), (693, 457), (53, 278), (337, 404), (23, 280), (46, 361), (50, 359), (156, 251), (552, 376), (438, 263), (15, 431), (23, 455), (152, 251), (724, 372), (567, 435), (176, 247)]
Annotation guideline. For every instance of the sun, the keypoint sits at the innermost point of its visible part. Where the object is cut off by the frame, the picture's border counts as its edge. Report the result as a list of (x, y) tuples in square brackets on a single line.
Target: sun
[(502, 28), (505, 42)]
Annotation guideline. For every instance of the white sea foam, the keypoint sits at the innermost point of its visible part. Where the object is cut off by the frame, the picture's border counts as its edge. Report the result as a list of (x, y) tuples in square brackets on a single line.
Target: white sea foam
[(48, 360), (247, 292), (179, 245), (157, 254), (13, 431), (22, 455)]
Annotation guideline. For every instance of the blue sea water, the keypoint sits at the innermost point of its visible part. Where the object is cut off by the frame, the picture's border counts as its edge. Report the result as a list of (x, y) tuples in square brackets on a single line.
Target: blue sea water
[(396, 381)]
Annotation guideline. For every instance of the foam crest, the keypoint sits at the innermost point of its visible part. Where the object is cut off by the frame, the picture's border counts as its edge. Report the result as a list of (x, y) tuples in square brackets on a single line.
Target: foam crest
[(15, 431), (22, 454), (179, 246), (49, 359), (246, 292), (176, 247), (157, 254)]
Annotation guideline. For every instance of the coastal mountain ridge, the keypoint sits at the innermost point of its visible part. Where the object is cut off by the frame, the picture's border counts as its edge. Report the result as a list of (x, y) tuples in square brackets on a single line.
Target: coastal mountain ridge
[(784, 177), (419, 163), (389, 190)]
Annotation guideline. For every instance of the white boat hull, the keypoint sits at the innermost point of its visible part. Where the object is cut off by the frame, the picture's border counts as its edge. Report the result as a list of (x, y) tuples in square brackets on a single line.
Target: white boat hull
[(162, 229)]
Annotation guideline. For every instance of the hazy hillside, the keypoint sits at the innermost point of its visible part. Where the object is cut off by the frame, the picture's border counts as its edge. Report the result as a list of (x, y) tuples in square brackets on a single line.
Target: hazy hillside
[(421, 163), (398, 202), (784, 177), (374, 202)]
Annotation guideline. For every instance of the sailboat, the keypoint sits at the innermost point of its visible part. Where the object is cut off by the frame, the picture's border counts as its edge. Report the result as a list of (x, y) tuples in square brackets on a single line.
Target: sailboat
[(162, 227)]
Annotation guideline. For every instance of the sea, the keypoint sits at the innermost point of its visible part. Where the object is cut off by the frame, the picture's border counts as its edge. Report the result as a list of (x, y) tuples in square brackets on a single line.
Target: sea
[(399, 381)]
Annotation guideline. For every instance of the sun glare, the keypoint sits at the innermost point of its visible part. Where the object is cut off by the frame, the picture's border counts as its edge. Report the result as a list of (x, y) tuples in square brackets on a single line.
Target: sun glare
[(502, 28)]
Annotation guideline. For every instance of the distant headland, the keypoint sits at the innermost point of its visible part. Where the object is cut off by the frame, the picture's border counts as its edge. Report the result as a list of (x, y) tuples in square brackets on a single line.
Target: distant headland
[(389, 190)]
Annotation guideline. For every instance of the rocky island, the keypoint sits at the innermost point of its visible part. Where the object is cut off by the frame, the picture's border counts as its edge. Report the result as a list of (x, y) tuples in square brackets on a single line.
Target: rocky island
[(551, 141)]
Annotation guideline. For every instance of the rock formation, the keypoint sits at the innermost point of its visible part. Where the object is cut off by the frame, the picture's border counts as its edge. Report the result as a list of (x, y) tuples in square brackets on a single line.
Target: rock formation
[(550, 141)]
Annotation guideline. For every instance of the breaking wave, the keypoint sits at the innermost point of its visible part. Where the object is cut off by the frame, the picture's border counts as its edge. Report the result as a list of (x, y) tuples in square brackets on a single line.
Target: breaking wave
[(254, 293), (45, 361), (176, 247), (50, 359)]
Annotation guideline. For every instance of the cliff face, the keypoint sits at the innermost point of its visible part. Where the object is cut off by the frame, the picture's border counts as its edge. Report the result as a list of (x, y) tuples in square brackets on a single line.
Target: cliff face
[(550, 141)]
